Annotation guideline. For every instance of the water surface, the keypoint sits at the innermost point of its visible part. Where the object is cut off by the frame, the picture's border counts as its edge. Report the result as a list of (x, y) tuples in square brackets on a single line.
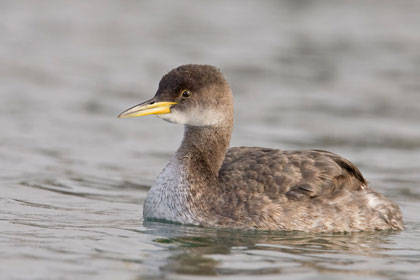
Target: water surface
[(341, 76)]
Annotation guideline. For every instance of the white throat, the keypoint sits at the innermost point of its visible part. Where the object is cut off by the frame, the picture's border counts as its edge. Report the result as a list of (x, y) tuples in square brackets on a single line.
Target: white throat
[(194, 117)]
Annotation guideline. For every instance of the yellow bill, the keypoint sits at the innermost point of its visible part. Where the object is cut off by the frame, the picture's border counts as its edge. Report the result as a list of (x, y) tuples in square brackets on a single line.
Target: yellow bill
[(145, 109)]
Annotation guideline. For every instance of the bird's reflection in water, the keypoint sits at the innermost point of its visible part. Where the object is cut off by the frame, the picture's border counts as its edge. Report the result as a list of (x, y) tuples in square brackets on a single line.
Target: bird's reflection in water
[(207, 251)]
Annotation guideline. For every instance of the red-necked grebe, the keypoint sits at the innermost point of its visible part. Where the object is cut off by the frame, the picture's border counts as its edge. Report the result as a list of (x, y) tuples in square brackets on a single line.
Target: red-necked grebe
[(208, 184)]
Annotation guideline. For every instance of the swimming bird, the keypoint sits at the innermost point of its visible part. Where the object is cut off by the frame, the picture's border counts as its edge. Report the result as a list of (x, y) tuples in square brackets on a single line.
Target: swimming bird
[(207, 183)]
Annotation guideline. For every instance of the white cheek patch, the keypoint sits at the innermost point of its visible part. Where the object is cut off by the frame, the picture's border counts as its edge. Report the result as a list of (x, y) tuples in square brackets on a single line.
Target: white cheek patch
[(174, 117), (194, 117)]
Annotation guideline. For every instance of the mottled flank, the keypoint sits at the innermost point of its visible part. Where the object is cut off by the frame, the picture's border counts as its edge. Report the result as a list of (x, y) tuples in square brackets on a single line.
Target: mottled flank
[(302, 190), (207, 184)]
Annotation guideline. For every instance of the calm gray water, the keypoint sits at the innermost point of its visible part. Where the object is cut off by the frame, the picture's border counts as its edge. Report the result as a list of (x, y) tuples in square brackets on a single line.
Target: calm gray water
[(337, 75)]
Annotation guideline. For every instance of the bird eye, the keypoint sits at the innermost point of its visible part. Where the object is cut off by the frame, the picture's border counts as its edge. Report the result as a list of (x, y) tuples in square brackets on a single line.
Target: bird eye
[(186, 93)]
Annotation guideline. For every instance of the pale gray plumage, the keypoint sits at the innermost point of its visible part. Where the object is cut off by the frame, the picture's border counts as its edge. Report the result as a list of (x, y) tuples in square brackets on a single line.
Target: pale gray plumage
[(207, 184)]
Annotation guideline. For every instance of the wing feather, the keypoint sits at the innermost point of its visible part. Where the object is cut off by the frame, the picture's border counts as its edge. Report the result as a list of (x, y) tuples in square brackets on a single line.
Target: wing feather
[(295, 174)]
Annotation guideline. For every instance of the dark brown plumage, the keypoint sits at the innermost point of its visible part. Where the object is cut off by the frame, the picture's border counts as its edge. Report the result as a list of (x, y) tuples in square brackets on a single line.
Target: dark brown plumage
[(207, 184)]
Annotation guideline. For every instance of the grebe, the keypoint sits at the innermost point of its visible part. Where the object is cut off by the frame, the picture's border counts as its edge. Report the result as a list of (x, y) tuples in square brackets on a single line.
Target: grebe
[(205, 183)]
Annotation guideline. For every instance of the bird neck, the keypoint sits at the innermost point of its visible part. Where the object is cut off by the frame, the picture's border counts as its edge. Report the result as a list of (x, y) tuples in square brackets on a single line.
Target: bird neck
[(188, 188), (204, 148)]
